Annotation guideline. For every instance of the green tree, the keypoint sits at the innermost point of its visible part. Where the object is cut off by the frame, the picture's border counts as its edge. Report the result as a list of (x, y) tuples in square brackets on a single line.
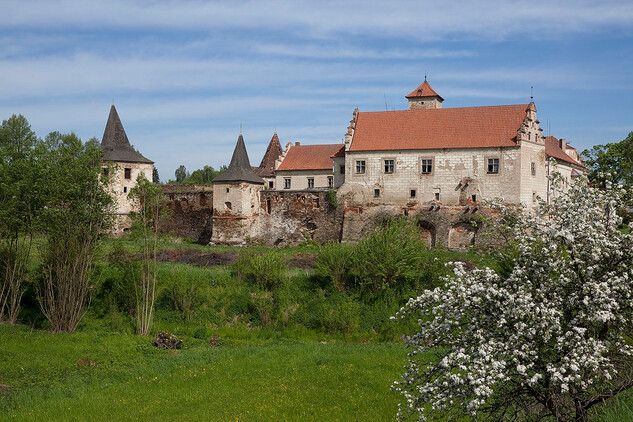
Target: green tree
[(151, 209), (20, 203), (76, 214), (611, 160), (155, 176), (181, 174)]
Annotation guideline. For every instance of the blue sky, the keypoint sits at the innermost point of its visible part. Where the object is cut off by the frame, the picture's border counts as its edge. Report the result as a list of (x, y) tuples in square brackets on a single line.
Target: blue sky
[(185, 74)]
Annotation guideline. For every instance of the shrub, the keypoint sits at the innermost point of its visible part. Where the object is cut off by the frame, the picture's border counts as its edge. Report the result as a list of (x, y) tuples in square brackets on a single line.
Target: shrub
[(390, 257), (183, 293), (265, 271), (335, 261), (330, 195)]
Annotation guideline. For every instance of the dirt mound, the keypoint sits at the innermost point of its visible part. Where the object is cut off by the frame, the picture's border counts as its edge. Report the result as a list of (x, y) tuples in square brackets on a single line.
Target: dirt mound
[(196, 257), (305, 261)]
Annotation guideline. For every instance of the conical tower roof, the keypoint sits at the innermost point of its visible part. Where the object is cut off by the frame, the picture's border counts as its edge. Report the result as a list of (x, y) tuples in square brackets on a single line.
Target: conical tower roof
[(240, 169), (115, 145), (424, 90), (273, 152)]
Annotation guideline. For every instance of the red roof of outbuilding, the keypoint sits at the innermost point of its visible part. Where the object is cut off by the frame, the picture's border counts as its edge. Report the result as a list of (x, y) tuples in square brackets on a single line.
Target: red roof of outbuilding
[(424, 90), (340, 152), (468, 127), (309, 157), (553, 149)]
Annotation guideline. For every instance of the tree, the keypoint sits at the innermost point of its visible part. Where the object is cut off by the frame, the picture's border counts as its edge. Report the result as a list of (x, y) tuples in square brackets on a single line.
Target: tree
[(155, 176), (151, 208), (613, 159), (549, 339), (20, 203), (181, 174), (76, 215)]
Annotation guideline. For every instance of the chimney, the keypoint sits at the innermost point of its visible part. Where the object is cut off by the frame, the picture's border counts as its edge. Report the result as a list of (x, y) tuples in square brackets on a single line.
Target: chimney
[(563, 144), (297, 144)]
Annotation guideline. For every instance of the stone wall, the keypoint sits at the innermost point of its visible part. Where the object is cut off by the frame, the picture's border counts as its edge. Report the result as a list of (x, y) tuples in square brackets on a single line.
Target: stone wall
[(289, 218), (191, 209)]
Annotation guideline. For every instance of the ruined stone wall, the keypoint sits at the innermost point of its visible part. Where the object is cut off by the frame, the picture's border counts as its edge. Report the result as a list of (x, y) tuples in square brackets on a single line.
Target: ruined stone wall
[(456, 228), (191, 209), (289, 218)]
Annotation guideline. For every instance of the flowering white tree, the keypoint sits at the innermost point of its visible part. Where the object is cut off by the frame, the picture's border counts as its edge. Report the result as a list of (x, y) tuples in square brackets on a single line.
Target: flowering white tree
[(551, 338)]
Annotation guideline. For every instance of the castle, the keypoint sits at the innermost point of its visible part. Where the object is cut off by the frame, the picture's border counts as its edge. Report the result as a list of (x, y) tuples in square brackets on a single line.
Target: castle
[(430, 163)]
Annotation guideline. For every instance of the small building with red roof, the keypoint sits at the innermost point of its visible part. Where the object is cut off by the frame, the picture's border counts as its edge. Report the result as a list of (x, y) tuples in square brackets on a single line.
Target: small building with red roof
[(306, 167)]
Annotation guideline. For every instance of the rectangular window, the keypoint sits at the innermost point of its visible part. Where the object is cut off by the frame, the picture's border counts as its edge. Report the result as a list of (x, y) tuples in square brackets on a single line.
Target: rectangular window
[(270, 184), (106, 171), (474, 198), (437, 196), (287, 183), (493, 165), (389, 166), (376, 193), (412, 193), (427, 165), (533, 166), (128, 173), (341, 169), (533, 196), (330, 181), (360, 166), (310, 182), (124, 189)]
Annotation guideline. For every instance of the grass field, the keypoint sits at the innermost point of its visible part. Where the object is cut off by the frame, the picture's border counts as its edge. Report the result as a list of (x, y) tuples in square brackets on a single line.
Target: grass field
[(302, 351), (107, 376)]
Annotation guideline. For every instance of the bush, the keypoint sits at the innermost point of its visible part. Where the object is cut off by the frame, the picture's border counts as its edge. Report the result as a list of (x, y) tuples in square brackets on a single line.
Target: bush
[(335, 261), (183, 293), (265, 271), (390, 257)]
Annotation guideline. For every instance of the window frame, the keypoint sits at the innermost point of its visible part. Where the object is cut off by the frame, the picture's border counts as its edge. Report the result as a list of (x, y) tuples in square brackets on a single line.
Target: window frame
[(358, 166), (422, 165), (376, 192), (310, 182), (330, 181), (287, 182), (127, 173), (488, 165), (389, 165)]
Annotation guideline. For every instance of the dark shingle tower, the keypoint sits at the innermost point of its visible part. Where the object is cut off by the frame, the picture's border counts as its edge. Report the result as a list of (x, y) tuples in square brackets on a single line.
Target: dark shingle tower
[(115, 145), (240, 169)]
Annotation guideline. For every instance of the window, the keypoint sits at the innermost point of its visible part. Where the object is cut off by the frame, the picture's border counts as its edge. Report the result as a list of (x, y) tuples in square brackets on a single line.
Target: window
[(376, 193), (493, 165), (474, 198), (389, 165), (427, 165), (437, 196), (270, 184), (227, 190), (533, 196), (124, 189), (287, 183), (106, 172), (360, 166), (310, 182), (412, 193), (533, 166), (330, 181), (341, 169), (128, 173)]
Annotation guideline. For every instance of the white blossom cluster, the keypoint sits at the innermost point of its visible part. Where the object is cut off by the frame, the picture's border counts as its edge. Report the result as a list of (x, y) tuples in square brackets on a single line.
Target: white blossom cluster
[(547, 335)]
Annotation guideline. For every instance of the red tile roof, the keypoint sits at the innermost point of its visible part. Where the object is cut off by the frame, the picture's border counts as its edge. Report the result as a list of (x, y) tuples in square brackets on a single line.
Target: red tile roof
[(553, 149), (267, 166), (469, 127), (309, 157), (340, 152), (424, 90)]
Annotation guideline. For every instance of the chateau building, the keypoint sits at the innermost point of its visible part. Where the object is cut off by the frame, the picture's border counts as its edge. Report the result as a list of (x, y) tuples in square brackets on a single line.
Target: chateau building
[(122, 165), (303, 167)]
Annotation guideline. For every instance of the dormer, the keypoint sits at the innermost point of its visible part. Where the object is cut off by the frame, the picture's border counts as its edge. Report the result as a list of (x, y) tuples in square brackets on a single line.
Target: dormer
[(424, 97)]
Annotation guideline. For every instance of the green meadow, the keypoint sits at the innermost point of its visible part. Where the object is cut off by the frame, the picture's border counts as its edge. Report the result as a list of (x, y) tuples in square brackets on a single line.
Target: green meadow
[(298, 349)]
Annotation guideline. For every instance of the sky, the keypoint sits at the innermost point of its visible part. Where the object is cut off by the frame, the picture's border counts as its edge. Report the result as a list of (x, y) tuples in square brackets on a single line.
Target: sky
[(185, 76)]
